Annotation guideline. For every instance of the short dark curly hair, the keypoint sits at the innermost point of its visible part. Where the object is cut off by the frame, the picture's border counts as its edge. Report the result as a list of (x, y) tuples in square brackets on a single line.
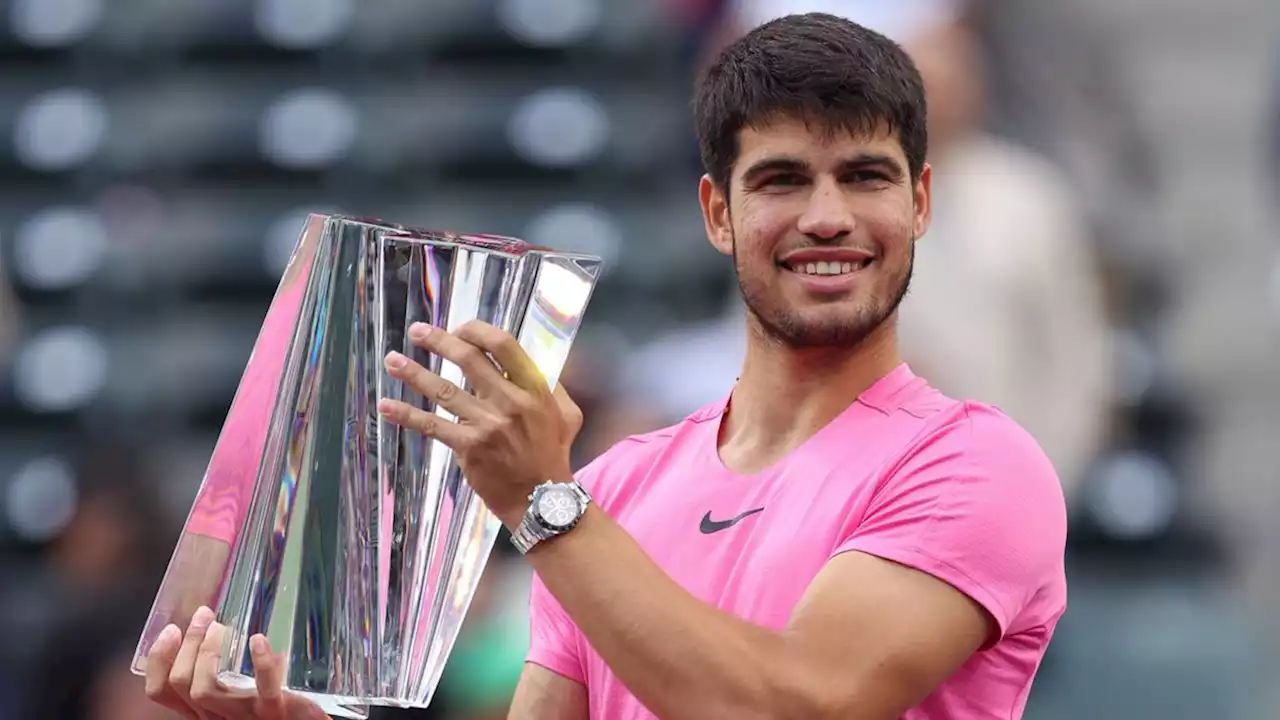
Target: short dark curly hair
[(821, 68)]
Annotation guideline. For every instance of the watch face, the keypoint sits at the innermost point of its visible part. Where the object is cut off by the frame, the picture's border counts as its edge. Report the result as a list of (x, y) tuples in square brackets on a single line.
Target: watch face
[(557, 507)]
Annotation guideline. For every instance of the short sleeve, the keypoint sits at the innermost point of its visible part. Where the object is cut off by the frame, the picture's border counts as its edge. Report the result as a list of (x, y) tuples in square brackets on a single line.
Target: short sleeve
[(977, 505), (553, 638)]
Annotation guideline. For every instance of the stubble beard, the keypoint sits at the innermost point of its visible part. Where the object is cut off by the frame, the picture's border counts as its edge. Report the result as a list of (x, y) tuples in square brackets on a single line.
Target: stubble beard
[(791, 330)]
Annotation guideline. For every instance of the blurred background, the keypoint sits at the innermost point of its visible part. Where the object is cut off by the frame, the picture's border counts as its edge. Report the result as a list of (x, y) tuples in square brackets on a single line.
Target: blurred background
[(1104, 265)]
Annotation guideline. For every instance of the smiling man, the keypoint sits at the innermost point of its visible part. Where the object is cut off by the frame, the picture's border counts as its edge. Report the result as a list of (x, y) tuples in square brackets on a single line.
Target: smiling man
[(832, 539)]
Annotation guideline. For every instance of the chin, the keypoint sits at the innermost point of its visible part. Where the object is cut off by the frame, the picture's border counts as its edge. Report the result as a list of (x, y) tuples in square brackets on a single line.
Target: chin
[(842, 330)]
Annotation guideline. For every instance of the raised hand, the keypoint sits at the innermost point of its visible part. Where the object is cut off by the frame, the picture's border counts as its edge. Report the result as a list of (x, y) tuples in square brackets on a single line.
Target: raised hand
[(511, 435)]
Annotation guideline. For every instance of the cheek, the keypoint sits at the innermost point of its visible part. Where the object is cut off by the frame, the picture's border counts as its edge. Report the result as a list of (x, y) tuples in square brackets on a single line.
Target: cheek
[(892, 227), (758, 229)]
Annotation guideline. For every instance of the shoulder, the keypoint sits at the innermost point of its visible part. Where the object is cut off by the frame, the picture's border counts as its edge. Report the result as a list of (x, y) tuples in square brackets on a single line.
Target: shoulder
[(987, 439), (979, 430), (966, 464), (969, 439), (615, 473), (988, 480), (974, 500)]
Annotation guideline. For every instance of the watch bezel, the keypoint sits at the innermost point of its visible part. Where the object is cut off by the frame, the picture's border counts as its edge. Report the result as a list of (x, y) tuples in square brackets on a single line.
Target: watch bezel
[(542, 522)]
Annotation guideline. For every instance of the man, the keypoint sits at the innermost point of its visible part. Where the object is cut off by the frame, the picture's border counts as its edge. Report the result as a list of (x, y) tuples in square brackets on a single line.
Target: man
[(1007, 305), (834, 539)]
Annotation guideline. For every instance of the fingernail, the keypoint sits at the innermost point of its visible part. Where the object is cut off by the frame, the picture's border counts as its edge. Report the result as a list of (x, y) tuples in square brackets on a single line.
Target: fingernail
[(258, 645), (395, 361), (168, 637), (202, 619), (418, 331)]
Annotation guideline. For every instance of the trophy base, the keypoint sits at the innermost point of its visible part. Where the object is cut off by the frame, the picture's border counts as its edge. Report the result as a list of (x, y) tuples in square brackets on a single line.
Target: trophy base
[(336, 706)]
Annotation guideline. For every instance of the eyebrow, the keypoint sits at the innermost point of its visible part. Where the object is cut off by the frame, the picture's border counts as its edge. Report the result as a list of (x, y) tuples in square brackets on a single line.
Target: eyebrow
[(785, 164)]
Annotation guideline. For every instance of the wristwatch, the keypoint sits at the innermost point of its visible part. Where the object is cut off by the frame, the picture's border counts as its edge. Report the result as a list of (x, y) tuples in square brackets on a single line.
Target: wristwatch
[(554, 509)]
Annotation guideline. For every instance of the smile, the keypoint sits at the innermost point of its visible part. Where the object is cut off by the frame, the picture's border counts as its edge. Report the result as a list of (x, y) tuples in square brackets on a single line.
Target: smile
[(827, 268)]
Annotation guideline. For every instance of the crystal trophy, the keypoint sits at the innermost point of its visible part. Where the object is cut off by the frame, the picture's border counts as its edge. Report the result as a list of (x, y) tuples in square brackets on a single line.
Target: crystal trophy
[(353, 544)]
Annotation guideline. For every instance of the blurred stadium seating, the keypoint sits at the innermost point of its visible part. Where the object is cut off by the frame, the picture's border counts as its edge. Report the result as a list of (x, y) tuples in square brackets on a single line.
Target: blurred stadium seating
[(149, 206), (159, 157)]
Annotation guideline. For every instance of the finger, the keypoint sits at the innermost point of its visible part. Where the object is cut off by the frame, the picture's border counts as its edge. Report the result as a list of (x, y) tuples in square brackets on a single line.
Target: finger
[(207, 694), (508, 353), (442, 392), (184, 665), (470, 358), (268, 673), (421, 421), (160, 661)]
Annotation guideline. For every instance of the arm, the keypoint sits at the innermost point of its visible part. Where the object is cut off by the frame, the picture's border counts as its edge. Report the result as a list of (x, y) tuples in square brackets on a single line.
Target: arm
[(977, 509), (954, 550), (685, 659), (544, 695)]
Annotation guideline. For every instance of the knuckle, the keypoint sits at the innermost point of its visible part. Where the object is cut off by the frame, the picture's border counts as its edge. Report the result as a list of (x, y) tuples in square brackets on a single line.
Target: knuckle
[(427, 425), (471, 356), (447, 391), (502, 426), (201, 694), (526, 404), (411, 374)]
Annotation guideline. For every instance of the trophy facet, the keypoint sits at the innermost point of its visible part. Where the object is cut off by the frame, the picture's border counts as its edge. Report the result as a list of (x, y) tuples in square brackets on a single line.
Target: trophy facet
[(354, 545)]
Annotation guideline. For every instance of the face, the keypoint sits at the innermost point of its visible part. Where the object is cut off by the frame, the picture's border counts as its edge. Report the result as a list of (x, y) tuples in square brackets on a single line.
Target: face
[(821, 228)]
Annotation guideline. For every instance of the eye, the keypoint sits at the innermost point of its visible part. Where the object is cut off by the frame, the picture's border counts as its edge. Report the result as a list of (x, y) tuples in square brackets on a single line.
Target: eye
[(864, 176), (785, 180)]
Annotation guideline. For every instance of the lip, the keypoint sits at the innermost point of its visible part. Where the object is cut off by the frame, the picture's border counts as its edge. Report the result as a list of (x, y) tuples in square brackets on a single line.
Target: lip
[(813, 255), (828, 284)]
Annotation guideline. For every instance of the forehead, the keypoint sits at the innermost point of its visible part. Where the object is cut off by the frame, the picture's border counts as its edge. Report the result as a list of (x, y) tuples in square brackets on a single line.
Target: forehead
[(814, 142)]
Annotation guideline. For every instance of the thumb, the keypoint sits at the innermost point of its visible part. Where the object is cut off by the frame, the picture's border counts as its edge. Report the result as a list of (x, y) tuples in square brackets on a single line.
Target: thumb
[(268, 673)]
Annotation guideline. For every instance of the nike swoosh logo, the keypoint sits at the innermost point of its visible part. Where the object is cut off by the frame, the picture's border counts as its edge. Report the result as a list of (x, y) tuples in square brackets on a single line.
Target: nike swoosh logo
[(709, 526)]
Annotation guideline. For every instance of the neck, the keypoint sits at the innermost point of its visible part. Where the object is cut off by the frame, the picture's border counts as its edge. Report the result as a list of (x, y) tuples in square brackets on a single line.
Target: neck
[(786, 395)]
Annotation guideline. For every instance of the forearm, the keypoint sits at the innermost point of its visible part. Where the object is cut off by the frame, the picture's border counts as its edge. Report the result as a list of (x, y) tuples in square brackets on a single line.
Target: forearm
[(678, 655)]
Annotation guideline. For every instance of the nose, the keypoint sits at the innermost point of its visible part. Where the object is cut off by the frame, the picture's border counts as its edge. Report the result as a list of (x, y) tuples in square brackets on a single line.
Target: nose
[(828, 215)]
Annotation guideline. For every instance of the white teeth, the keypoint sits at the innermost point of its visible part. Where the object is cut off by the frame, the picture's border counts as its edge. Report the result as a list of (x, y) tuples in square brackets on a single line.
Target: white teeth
[(829, 268)]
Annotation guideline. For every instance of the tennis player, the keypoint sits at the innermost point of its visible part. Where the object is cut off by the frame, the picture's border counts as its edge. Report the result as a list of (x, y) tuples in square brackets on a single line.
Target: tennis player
[(833, 539)]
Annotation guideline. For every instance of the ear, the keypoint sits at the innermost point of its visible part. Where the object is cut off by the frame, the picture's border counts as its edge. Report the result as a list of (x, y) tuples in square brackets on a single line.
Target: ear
[(715, 215), (923, 196)]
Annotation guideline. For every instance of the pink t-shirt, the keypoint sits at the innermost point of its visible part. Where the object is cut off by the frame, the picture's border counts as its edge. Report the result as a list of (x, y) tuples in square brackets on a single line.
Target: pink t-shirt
[(954, 489)]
